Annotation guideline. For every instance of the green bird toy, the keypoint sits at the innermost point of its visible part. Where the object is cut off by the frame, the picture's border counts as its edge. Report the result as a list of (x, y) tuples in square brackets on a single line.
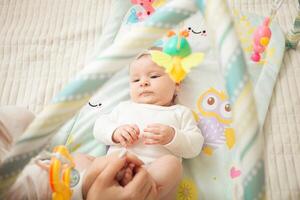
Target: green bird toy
[(177, 57)]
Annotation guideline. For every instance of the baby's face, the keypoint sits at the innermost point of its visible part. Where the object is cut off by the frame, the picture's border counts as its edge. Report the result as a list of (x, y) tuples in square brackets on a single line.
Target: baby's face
[(150, 84)]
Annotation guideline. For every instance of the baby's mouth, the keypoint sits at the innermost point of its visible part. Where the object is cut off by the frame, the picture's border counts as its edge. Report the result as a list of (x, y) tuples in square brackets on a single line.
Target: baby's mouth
[(145, 93)]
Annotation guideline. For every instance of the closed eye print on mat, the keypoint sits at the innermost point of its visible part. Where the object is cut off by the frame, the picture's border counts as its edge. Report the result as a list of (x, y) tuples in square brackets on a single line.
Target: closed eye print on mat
[(95, 105), (202, 33)]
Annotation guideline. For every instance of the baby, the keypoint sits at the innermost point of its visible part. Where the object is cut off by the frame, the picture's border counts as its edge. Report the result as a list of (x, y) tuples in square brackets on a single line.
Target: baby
[(152, 126)]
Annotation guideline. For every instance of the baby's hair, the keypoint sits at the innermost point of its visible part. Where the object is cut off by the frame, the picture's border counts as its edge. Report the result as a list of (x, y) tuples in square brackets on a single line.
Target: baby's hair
[(147, 52)]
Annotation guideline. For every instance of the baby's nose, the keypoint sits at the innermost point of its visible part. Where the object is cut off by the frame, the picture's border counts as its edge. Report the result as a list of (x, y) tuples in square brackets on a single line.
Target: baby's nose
[(144, 82)]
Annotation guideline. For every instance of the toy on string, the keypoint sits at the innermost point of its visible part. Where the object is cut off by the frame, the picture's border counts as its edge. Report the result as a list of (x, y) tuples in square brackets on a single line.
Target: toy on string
[(177, 57), (62, 174), (149, 7), (262, 34), (261, 38), (132, 17)]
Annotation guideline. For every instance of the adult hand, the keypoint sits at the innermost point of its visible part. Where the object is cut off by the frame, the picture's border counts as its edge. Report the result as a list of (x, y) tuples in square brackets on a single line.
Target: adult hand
[(101, 180), (158, 134)]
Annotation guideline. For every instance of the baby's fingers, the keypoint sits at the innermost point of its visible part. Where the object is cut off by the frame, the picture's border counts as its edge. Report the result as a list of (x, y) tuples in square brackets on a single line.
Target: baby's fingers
[(122, 140), (151, 141), (127, 137), (152, 136), (153, 130), (132, 132), (136, 128)]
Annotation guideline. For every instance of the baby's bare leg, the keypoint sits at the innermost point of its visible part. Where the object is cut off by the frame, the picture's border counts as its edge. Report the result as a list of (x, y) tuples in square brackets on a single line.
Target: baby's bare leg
[(167, 172)]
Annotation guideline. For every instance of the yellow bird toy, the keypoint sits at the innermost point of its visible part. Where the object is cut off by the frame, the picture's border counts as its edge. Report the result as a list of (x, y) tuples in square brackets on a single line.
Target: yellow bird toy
[(177, 57)]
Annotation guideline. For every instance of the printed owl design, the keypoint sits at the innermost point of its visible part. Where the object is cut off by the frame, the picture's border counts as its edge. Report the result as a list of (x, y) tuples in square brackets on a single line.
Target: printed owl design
[(214, 118)]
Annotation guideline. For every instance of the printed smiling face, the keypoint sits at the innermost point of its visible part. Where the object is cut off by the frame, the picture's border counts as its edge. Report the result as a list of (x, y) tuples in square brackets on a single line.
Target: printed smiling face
[(150, 84)]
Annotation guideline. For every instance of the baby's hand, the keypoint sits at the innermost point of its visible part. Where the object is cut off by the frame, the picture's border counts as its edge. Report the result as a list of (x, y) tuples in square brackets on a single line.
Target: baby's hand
[(158, 134), (126, 134)]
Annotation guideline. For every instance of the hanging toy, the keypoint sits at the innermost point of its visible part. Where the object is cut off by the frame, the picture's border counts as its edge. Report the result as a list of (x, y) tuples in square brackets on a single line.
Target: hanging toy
[(261, 39), (149, 7), (62, 173), (177, 57), (262, 35), (133, 17)]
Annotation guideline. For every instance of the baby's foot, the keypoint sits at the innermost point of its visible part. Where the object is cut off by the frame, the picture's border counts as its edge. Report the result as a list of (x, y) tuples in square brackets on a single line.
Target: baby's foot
[(125, 175), (128, 174)]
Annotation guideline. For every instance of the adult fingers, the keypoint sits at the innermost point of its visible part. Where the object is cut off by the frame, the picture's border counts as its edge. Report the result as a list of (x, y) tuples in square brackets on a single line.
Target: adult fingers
[(146, 190), (92, 172), (140, 184), (131, 158), (153, 193), (103, 186), (97, 167), (110, 171)]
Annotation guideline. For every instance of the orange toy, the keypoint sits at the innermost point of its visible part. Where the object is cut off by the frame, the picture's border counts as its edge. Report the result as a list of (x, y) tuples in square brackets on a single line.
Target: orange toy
[(61, 166)]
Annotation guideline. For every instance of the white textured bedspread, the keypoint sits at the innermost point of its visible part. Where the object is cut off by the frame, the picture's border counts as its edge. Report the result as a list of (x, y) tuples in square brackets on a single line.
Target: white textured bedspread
[(43, 43), (282, 126)]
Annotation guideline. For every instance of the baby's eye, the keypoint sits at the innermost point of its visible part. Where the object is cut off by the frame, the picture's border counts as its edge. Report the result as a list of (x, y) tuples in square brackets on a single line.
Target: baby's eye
[(135, 80), (154, 76)]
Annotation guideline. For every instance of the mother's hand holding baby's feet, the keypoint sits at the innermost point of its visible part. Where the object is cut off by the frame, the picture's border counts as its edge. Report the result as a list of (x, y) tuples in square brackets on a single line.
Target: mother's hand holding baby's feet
[(126, 174), (100, 180)]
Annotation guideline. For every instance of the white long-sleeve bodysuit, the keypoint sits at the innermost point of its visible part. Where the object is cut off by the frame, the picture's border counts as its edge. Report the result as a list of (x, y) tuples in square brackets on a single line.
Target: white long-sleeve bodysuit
[(187, 142)]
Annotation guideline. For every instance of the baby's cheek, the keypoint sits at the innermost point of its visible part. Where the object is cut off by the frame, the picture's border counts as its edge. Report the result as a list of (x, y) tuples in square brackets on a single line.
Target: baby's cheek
[(134, 98)]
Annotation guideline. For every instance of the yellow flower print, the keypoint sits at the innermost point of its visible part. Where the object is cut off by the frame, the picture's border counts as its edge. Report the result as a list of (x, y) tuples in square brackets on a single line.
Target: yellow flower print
[(187, 190)]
